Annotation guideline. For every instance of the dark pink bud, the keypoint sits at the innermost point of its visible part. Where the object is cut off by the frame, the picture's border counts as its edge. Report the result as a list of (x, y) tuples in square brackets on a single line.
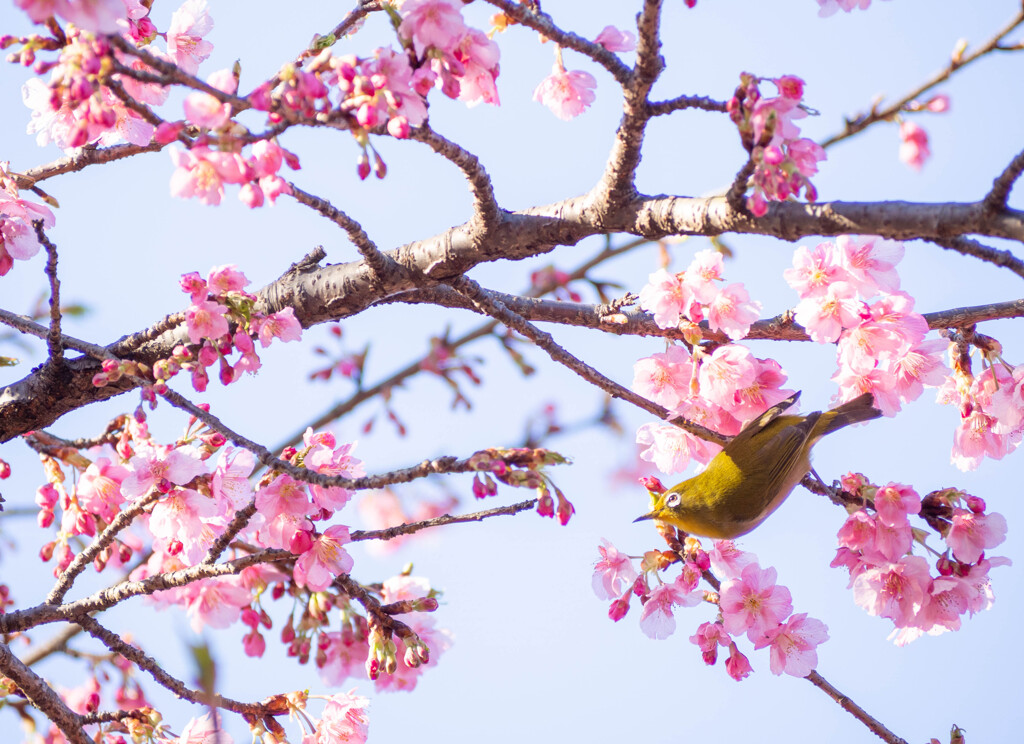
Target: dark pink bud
[(652, 484), (301, 542), (976, 504), (618, 609), (363, 167)]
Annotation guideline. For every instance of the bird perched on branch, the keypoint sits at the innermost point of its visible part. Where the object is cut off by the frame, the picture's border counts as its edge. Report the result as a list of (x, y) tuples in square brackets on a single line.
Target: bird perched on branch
[(755, 471)]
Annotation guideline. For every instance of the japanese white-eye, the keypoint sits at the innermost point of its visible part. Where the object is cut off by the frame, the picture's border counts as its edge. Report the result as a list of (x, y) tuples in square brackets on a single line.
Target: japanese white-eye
[(755, 471)]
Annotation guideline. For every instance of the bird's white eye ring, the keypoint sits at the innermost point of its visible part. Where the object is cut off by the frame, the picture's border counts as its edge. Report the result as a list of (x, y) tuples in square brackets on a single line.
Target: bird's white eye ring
[(672, 501)]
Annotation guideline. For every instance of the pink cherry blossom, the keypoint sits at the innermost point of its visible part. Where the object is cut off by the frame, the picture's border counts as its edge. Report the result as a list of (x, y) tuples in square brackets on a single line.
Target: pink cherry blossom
[(99, 489), (794, 645), (753, 603), (150, 466), (567, 94), (665, 377), (814, 270), (479, 57), (728, 561), (205, 110), (202, 173), (728, 369), (858, 532), (432, 23), (344, 720), (895, 501), (283, 325), (615, 40), (206, 320), (17, 234), (189, 518), (732, 311), (976, 439), (333, 462), (971, 534), (737, 665), (920, 366), (709, 637), (217, 602), (893, 540), (656, 619), (185, 42), (870, 263), (613, 573), (880, 382), (828, 7), (98, 16), (317, 567), (284, 495), (667, 297), (704, 270), (224, 279), (764, 392), (825, 316), (231, 476), (913, 145), (894, 590), (670, 448)]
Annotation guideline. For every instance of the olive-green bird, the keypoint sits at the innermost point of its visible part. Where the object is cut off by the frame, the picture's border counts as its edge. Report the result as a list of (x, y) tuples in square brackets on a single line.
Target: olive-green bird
[(755, 471)]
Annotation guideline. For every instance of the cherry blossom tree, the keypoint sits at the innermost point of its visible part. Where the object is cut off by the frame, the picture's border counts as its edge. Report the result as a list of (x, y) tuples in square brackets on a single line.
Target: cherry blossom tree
[(239, 480)]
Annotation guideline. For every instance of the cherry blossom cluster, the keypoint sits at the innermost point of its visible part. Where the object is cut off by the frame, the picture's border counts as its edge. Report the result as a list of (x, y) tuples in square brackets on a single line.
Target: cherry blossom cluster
[(201, 172), (881, 344), (187, 496), (18, 238), (783, 161), (875, 546), (218, 303), (720, 390), (991, 405), (77, 107), (749, 603)]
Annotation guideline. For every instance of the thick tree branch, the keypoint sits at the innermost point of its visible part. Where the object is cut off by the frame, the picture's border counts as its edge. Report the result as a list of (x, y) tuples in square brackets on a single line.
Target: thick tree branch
[(42, 696), (973, 248), (342, 290), (995, 200), (485, 205)]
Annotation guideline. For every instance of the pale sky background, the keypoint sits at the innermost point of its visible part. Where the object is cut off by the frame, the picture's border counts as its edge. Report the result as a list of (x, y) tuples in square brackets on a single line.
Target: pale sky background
[(535, 655)]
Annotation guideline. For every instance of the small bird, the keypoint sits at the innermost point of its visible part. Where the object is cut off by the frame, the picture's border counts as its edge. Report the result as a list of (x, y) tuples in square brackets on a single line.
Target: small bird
[(755, 471)]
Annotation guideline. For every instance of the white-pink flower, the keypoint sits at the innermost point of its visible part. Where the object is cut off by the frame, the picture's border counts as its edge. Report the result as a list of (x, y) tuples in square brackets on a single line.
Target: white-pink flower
[(206, 320), (826, 316), (567, 94), (753, 603), (432, 23), (670, 448), (732, 311), (283, 325), (656, 619), (894, 590), (316, 568), (615, 40), (217, 602), (613, 573), (664, 378), (151, 466), (870, 262), (794, 645), (98, 16), (185, 42), (814, 270), (667, 297), (971, 534), (344, 720)]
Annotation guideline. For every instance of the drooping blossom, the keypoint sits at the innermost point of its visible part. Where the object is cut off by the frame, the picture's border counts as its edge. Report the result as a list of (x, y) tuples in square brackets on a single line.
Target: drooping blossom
[(615, 40), (657, 620), (794, 645), (971, 534), (567, 94), (613, 573)]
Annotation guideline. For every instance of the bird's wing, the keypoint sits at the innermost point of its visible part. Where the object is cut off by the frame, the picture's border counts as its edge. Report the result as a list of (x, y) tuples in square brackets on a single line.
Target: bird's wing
[(755, 425)]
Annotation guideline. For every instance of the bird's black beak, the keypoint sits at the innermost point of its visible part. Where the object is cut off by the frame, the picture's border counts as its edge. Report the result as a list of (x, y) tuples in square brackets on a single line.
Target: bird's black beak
[(649, 515)]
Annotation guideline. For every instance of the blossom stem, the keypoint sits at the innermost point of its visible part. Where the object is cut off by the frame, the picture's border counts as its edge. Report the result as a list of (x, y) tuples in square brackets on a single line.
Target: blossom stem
[(853, 709)]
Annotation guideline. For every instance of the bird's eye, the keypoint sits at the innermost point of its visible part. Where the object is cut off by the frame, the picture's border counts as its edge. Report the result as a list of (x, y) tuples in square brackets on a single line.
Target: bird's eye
[(672, 501)]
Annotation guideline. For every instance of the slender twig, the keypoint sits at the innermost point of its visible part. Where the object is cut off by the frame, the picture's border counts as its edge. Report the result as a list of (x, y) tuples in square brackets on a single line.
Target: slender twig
[(389, 533), (358, 592), (497, 310), (485, 204), (42, 696), (973, 248), (53, 336), (79, 160), (105, 538), (150, 665), (958, 63), (381, 264), (58, 642), (995, 200), (853, 709), (26, 325), (542, 23), (236, 525)]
